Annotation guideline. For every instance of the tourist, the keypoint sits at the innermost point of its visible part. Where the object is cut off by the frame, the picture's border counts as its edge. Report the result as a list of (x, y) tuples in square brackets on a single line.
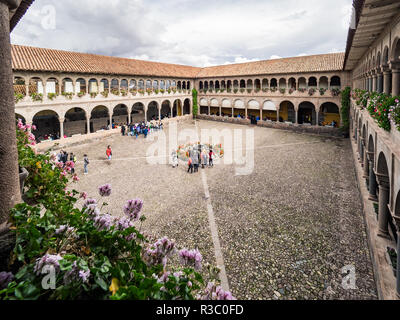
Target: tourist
[(73, 159), (85, 164), (109, 152), (195, 160), (123, 130), (145, 132), (204, 159), (190, 164), (174, 158), (210, 160)]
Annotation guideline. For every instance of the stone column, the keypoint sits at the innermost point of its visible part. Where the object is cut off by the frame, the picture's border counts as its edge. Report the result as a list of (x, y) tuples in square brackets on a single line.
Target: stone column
[(9, 173), (27, 88), (111, 120), (277, 114), (386, 82), (395, 82), (397, 222), (88, 125), (209, 109), (261, 114), (374, 82), (159, 114), (296, 116), (383, 215), (380, 82), (362, 151), (62, 128), (317, 118), (366, 165), (372, 178)]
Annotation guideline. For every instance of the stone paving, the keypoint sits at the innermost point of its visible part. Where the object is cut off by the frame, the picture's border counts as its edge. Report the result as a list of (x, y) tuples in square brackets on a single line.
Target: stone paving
[(286, 230)]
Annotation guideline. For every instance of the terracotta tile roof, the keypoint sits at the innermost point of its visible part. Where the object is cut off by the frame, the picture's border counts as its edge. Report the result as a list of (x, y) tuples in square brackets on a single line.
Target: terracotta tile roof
[(315, 63), (50, 60)]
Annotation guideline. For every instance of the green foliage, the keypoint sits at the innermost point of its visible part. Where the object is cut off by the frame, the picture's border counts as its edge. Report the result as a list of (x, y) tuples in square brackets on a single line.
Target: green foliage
[(195, 104), (37, 96), (112, 258), (51, 96), (345, 110), (68, 95), (18, 97)]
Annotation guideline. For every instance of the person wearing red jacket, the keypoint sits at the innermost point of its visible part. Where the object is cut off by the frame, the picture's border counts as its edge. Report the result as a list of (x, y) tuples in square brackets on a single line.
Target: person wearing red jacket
[(109, 152)]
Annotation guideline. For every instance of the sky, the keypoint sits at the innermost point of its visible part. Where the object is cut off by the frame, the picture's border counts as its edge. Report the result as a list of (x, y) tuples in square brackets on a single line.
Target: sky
[(189, 32)]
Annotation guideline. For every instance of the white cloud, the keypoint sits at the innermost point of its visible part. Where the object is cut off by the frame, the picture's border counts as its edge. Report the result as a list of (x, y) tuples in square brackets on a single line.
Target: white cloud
[(274, 56), (188, 31)]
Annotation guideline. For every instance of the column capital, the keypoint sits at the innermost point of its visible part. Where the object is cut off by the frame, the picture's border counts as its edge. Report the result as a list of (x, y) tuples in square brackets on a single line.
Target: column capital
[(395, 66), (62, 120)]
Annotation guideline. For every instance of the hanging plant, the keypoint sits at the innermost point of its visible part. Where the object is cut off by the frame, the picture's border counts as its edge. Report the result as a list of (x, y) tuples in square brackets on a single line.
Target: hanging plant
[(37, 96), (18, 97)]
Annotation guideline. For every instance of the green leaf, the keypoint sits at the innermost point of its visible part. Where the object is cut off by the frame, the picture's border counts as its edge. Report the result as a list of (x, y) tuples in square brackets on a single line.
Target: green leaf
[(101, 283)]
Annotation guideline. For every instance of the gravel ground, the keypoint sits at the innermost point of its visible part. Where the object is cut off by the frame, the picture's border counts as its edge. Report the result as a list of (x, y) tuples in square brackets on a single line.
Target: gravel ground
[(286, 230)]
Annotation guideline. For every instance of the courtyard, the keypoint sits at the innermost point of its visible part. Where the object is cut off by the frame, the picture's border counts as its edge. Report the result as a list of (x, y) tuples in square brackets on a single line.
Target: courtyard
[(286, 230)]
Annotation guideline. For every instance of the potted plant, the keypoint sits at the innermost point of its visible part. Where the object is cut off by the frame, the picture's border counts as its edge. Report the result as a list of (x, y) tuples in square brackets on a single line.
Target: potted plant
[(18, 97), (282, 90), (249, 90), (291, 90), (51, 96), (335, 92), (68, 95), (322, 91), (81, 94), (93, 94), (311, 91), (37, 96), (105, 93)]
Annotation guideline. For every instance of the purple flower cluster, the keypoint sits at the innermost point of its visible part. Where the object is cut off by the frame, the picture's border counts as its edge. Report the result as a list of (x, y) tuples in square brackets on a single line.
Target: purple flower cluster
[(213, 292), (105, 191), (103, 221), (47, 260), (5, 279), (123, 223), (191, 258), (133, 208), (76, 274), (65, 228), (159, 252)]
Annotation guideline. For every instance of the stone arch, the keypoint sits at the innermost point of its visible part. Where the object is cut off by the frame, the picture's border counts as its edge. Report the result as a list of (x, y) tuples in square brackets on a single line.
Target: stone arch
[(155, 85), (385, 56), (306, 113), (47, 123), (165, 109), (99, 118), (138, 112), (75, 122), (203, 106), (292, 83), (235, 84), (52, 86), (312, 82), (273, 83), (395, 52), (257, 84), (253, 108), (67, 85), (282, 83), (80, 86), (302, 83), (242, 84), (132, 85), (35, 86), (383, 177), (124, 85), (329, 113), (323, 82), (336, 82), (214, 107), (20, 86), (93, 85), (18, 116), (186, 106), (287, 112), (397, 205), (226, 107), (239, 108), (264, 84), (249, 84), (177, 108), (201, 85), (120, 114), (217, 86), (152, 111)]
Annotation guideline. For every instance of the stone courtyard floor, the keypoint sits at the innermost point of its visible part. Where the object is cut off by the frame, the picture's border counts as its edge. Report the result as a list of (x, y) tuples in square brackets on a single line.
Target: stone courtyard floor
[(286, 230)]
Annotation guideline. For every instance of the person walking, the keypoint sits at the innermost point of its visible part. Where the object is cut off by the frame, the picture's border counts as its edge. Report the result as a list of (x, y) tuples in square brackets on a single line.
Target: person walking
[(204, 159), (190, 164), (123, 130), (210, 160), (85, 164), (174, 158), (109, 152), (72, 158), (145, 131), (195, 159)]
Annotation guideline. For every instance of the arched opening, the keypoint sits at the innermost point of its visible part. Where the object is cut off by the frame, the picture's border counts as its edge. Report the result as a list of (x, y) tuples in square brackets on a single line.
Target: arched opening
[(335, 82), (242, 84), (173, 84), (372, 184), (329, 115), (201, 85), (229, 85), (19, 88), (80, 86), (239, 109), (226, 108), (217, 86), (124, 86), (306, 113), (274, 83), (186, 107), (253, 109), (212, 85), (323, 83), (302, 83), (166, 109), (75, 122), (250, 84), (162, 85), (183, 85), (132, 86), (397, 206), (115, 86), (177, 109), (155, 85), (223, 85), (282, 83), (47, 125), (120, 115), (99, 119), (188, 85), (287, 112), (67, 86), (384, 216), (52, 87), (214, 107), (168, 85), (312, 82), (203, 106), (93, 86), (137, 113), (264, 84), (141, 84), (292, 84), (35, 86), (257, 84), (149, 85), (152, 111)]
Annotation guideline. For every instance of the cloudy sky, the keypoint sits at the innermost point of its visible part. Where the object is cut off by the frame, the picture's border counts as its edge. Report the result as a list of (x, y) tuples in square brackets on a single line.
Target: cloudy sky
[(190, 32)]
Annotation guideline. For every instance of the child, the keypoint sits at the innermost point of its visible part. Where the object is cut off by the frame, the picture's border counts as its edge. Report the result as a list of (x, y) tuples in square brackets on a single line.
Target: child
[(109, 152), (210, 160), (85, 164)]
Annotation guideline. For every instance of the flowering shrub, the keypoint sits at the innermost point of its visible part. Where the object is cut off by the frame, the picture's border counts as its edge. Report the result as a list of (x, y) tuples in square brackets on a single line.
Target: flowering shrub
[(291, 90), (88, 254), (335, 92), (394, 113), (322, 91), (302, 90), (274, 89), (133, 92), (311, 91)]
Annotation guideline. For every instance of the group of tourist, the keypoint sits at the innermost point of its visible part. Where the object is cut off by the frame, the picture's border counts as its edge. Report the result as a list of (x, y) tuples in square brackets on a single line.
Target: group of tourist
[(197, 156), (63, 157), (141, 128)]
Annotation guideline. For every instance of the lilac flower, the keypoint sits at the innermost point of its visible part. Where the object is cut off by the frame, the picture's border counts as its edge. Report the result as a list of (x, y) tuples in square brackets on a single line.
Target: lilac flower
[(103, 221), (47, 260), (133, 208), (214, 292), (65, 228), (159, 252), (131, 237), (105, 191), (5, 279), (92, 210), (191, 258), (76, 274), (123, 223), (83, 195)]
